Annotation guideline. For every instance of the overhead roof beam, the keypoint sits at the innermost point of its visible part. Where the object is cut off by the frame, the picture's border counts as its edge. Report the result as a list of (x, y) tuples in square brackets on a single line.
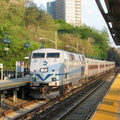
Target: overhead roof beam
[(116, 40), (112, 18), (116, 35), (115, 30), (100, 8), (107, 5)]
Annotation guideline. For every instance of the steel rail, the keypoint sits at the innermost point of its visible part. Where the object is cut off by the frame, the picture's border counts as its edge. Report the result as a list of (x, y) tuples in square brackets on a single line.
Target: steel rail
[(78, 103), (93, 110), (83, 99), (36, 111)]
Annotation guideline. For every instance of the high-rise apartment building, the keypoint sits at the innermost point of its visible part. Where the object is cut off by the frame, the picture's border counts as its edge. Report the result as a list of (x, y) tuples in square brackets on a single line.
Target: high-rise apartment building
[(69, 10)]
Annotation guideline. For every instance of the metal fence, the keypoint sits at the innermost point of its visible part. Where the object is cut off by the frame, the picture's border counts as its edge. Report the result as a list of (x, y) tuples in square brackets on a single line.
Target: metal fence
[(11, 73)]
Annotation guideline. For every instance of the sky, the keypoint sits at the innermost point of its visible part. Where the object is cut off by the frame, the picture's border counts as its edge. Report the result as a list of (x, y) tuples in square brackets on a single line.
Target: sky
[(91, 15)]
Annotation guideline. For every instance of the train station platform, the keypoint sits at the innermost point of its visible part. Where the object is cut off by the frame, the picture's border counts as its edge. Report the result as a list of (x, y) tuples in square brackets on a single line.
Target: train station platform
[(109, 108), (14, 84)]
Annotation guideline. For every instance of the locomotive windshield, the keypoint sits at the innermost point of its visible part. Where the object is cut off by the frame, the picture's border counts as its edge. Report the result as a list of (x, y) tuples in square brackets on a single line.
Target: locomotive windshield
[(38, 55), (53, 55)]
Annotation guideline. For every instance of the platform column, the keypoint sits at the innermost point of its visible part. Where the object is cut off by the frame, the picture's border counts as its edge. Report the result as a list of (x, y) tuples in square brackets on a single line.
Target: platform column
[(15, 94), (3, 98), (23, 93)]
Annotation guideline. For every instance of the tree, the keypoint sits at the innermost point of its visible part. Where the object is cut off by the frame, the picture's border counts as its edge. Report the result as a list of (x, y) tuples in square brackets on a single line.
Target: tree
[(29, 21), (114, 55)]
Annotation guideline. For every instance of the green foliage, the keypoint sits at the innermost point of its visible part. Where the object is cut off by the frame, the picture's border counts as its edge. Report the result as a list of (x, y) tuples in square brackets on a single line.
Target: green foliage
[(98, 48), (63, 26), (114, 55), (22, 21)]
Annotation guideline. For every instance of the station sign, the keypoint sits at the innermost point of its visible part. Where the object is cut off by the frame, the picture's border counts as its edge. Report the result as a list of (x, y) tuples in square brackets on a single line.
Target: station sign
[(20, 66)]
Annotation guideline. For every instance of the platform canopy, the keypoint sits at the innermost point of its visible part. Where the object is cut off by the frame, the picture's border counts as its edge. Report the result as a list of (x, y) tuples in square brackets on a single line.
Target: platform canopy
[(112, 17)]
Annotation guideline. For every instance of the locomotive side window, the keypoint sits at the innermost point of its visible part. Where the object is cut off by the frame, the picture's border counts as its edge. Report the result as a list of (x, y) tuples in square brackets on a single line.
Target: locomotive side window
[(76, 57), (38, 55), (53, 55), (79, 58), (83, 58), (65, 55), (71, 57)]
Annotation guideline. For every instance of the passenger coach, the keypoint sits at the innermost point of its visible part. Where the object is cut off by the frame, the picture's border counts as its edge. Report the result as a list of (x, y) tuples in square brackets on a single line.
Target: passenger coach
[(95, 68)]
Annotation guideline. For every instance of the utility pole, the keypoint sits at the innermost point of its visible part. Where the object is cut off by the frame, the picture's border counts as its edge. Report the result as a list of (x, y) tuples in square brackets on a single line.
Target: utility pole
[(77, 46), (56, 39)]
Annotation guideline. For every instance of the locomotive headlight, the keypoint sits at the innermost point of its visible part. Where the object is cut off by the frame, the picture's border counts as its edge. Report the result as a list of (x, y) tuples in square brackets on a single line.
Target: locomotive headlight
[(33, 79), (44, 70)]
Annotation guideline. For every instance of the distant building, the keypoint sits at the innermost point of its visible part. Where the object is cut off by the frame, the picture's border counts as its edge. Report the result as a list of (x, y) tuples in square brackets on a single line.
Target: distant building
[(68, 10), (50, 9)]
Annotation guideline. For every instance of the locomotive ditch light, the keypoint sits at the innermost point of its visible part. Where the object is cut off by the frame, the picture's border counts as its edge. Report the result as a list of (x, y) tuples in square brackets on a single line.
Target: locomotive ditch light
[(54, 79), (33, 79)]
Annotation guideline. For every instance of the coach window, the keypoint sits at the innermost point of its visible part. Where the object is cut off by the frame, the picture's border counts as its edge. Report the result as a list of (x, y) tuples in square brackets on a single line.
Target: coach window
[(38, 55), (72, 56), (53, 55)]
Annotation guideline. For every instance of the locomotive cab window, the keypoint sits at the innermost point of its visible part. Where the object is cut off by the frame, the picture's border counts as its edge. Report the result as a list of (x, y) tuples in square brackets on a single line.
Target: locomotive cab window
[(38, 55), (53, 55)]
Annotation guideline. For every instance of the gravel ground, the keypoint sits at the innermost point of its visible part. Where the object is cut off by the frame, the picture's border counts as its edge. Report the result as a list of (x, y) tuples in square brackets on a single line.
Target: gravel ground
[(10, 104), (82, 111)]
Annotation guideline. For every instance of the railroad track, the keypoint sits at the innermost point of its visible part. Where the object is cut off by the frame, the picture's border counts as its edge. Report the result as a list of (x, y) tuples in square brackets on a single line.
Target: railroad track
[(84, 108), (44, 110)]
